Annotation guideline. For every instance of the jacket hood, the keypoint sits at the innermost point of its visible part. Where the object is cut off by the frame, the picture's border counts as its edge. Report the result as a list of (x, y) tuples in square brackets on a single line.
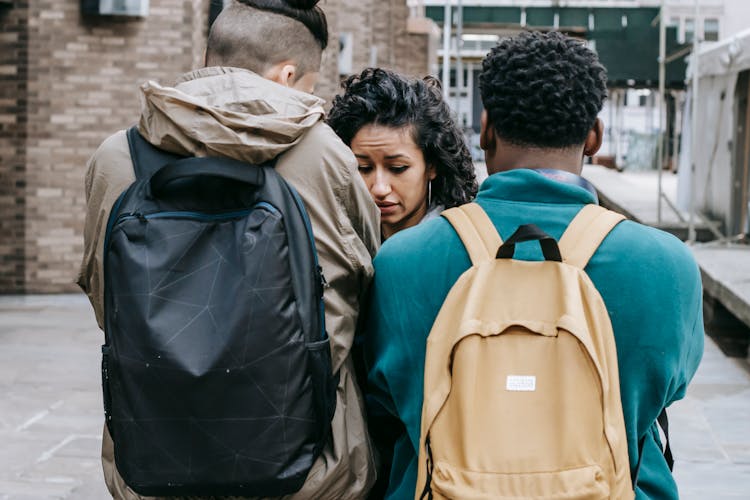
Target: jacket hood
[(226, 112)]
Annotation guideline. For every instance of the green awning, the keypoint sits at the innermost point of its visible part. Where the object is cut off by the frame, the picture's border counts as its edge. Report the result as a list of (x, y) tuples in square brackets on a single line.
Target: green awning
[(574, 18), (607, 19), (499, 15), (479, 15), (630, 52), (540, 17)]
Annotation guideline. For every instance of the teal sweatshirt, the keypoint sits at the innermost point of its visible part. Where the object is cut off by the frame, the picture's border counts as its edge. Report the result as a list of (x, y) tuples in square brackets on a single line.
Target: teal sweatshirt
[(647, 278)]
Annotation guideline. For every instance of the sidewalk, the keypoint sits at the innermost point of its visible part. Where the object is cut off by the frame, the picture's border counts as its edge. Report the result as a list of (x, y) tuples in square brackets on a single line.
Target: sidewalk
[(710, 430), (51, 406), (51, 411), (635, 194)]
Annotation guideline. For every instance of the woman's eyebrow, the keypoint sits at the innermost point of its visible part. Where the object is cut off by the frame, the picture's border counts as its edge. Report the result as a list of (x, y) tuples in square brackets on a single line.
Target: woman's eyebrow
[(364, 157), (397, 156)]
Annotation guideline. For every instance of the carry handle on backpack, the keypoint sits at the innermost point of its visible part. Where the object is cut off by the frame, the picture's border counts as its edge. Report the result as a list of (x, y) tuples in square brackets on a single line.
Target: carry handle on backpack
[(224, 168), (530, 232)]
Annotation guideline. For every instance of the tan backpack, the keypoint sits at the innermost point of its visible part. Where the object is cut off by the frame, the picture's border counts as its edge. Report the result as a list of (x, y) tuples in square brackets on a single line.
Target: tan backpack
[(522, 393)]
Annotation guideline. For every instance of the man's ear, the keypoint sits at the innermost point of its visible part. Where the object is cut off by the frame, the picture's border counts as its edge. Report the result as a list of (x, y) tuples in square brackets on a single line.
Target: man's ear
[(594, 139), (283, 73), (486, 133)]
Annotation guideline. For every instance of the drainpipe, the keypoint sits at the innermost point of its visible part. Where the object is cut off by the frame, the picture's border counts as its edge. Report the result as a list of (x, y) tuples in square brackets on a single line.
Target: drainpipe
[(459, 61), (694, 132), (660, 149), (446, 50)]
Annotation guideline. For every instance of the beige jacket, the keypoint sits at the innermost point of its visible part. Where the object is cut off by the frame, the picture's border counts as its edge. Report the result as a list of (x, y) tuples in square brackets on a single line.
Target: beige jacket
[(238, 114)]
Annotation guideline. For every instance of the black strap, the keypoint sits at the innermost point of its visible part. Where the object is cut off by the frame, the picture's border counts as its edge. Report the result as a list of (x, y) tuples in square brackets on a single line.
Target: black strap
[(530, 232), (147, 158), (106, 394), (664, 424), (224, 168), (427, 491)]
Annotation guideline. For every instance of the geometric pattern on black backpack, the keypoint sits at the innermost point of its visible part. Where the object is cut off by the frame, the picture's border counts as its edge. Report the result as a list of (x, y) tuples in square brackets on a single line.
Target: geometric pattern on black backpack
[(227, 322)]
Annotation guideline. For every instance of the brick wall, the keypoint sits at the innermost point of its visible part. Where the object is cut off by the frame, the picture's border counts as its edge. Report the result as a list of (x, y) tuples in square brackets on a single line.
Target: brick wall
[(82, 79), (327, 86), (67, 82), (13, 103), (380, 34)]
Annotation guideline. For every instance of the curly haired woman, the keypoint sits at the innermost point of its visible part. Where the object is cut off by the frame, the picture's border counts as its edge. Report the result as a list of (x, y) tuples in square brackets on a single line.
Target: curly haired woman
[(412, 155)]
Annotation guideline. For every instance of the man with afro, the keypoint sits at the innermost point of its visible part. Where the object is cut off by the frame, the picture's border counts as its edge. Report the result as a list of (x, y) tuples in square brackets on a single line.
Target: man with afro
[(542, 93)]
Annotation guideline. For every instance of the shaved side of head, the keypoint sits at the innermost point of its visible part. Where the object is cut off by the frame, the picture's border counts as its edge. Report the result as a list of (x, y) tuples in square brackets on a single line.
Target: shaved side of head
[(254, 39)]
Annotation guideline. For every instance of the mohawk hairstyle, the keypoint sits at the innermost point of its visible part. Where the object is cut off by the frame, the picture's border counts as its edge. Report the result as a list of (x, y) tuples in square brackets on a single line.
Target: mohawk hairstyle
[(305, 11), (257, 34), (542, 89)]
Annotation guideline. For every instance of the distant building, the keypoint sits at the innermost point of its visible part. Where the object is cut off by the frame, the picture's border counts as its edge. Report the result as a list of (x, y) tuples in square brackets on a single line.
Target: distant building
[(718, 141), (69, 71), (625, 34)]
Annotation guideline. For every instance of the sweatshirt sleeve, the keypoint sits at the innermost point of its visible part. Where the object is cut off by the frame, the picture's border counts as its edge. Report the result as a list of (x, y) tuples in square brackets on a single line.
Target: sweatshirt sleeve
[(382, 326), (691, 350)]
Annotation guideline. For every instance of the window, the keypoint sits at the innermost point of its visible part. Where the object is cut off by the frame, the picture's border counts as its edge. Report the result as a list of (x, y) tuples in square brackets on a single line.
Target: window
[(138, 8), (711, 29), (689, 30), (644, 98), (346, 53)]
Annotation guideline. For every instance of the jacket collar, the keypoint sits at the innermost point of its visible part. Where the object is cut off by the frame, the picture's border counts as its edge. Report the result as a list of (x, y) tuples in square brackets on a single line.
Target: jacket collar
[(530, 186), (208, 72)]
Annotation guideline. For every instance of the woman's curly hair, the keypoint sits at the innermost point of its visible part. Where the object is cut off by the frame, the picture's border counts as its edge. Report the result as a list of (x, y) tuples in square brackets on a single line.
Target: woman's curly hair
[(382, 97), (542, 89)]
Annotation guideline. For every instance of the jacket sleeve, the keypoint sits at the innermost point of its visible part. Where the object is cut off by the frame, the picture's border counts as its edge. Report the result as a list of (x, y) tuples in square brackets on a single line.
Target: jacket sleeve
[(362, 211), (345, 225), (108, 173)]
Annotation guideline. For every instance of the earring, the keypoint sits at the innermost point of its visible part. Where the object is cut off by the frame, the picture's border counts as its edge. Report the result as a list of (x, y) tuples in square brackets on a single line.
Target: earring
[(429, 193)]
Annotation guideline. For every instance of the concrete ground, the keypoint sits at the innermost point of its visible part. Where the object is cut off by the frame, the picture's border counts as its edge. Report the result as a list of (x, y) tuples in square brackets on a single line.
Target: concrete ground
[(51, 403), (51, 409), (637, 192)]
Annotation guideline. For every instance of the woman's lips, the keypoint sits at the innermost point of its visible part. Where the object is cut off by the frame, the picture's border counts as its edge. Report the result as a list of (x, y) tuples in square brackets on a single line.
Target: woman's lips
[(387, 208)]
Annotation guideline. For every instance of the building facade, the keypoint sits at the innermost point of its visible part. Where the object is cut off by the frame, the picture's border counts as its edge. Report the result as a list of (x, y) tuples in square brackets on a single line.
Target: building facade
[(69, 78), (625, 33), (714, 175)]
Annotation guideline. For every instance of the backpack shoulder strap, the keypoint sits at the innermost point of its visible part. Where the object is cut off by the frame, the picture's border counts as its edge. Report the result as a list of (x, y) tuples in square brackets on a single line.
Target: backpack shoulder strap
[(586, 232), (147, 158), (476, 231)]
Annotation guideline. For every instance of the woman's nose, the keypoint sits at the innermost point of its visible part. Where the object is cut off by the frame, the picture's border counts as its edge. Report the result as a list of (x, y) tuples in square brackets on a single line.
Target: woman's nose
[(381, 186)]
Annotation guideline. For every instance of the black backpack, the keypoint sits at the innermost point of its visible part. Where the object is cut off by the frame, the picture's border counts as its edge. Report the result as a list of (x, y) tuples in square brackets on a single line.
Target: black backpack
[(216, 368)]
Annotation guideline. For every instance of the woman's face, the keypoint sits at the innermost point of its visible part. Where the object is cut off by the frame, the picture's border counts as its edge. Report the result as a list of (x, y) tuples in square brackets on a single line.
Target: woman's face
[(394, 170)]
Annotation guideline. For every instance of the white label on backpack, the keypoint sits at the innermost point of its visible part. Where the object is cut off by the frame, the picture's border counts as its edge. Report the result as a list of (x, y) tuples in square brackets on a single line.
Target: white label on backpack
[(521, 383)]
